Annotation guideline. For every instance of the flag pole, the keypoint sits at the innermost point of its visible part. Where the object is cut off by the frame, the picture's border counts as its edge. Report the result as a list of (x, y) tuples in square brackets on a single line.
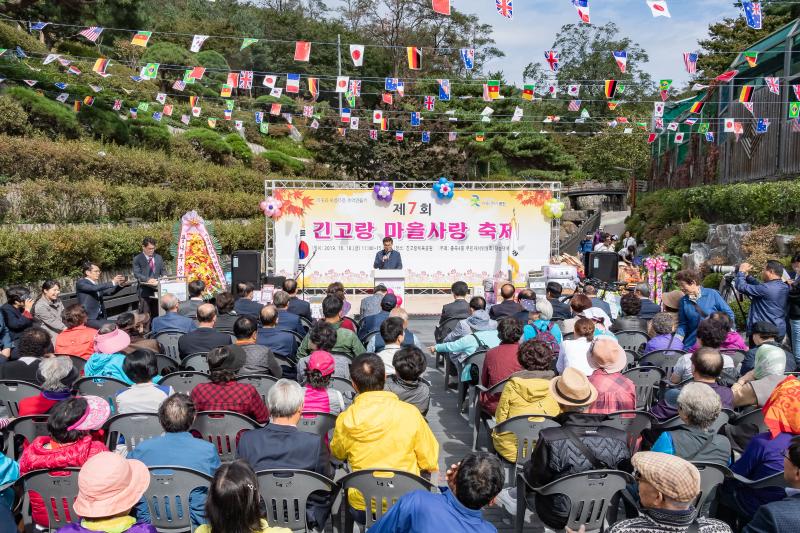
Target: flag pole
[(339, 62)]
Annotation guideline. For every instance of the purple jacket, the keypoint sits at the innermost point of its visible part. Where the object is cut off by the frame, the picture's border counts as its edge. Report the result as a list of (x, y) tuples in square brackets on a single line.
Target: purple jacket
[(762, 457), (662, 342), (138, 527)]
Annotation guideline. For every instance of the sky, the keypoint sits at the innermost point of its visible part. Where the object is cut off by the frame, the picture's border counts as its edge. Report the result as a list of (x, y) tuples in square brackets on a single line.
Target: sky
[(536, 23)]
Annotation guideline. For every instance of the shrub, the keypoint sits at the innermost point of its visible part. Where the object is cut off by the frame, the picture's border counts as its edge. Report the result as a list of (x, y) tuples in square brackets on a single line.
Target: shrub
[(11, 37), (74, 161), (210, 144), (712, 281), (285, 145), (239, 148), (51, 117), (13, 118), (148, 133), (32, 256), (282, 162), (104, 125)]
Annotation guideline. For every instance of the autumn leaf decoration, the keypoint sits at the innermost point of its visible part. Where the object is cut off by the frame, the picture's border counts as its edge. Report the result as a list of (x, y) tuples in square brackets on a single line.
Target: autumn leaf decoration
[(295, 202), (534, 198)]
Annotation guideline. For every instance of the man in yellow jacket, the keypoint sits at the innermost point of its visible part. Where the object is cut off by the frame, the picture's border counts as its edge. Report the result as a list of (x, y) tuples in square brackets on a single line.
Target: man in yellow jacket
[(379, 430)]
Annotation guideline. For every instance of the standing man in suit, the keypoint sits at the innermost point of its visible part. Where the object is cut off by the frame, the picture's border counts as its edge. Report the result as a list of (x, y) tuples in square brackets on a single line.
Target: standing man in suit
[(388, 258), (148, 266), (296, 305), (91, 292), (459, 307)]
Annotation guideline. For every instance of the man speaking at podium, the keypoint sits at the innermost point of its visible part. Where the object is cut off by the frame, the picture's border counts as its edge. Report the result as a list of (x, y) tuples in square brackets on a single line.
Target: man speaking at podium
[(388, 259)]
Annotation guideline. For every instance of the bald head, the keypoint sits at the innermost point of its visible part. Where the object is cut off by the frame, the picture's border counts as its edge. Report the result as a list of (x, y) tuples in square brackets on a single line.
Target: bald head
[(269, 316), (206, 315), (169, 303), (707, 364)]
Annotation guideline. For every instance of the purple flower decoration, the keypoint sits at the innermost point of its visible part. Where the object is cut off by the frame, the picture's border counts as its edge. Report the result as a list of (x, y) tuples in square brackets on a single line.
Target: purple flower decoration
[(384, 191), (444, 188)]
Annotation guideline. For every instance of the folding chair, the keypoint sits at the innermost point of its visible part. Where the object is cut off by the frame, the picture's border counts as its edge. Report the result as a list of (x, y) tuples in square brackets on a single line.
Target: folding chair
[(480, 418), (262, 383), (222, 428), (647, 380), (317, 423), (133, 428), (526, 430), (58, 489), (196, 362), (26, 428), (12, 391), (184, 381), (168, 496), (632, 340), (169, 341)]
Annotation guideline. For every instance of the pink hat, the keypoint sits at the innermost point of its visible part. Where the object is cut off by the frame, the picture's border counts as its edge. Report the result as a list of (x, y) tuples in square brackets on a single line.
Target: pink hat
[(606, 353), (109, 485), (97, 412), (322, 361), (111, 342)]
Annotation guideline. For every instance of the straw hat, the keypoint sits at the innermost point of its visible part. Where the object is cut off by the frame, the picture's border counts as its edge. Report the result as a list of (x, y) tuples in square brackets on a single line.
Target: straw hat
[(573, 388), (109, 485)]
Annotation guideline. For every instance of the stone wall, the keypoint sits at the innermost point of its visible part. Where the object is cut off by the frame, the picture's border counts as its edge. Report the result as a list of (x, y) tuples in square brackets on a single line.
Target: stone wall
[(723, 245)]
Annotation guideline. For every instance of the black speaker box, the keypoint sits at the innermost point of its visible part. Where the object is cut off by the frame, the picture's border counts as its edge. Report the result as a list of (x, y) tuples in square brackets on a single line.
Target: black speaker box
[(602, 265), (246, 267)]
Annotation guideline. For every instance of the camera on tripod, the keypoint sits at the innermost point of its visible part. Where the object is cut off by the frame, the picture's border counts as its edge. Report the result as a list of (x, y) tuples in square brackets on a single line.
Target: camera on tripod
[(725, 269)]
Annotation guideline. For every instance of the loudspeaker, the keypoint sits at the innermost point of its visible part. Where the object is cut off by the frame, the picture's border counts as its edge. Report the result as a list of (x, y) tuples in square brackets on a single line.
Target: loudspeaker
[(602, 265), (246, 267), (276, 281)]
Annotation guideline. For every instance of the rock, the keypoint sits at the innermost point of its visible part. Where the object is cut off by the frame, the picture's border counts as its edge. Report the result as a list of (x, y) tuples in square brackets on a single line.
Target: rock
[(698, 254), (568, 227), (782, 242), (575, 216), (726, 241)]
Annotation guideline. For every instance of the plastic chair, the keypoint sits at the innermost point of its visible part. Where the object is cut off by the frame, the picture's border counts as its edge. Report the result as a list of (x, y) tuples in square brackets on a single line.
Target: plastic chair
[(77, 363), (166, 364), (526, 429), (737, 356), (167, 496), (184, 381), (591, 495), (646, 380), (773, 480), (711, 476), (480, 418), (344, 386), (133, 428), (663, 359), (633, 423), (169, 341), (196, 362), (755, 417), (317, 423), (631, 358), (12, 391), (57, 491), (676, 422), (26, 427), (222, 428), (286, 492), (632, 340), (368, 337), (306, 323), (262, 383), (104, 387), (381, 489), (465, 389)]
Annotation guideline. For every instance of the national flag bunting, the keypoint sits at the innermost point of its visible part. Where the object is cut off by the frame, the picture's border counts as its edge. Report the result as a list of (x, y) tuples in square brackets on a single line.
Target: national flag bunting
[(269, 81), (429, 103), (345, 114), (179, 85), (451, 136), (117, 105), (610, 88), (398, 136), (416, 118), (377, 116), (100, 65), (726, 76), (574, 105), (574, 90), (227, 114), (751, 57), (38, 26), (747, 94), (302, 51), (697, 107), (197, 73), (505, 8), (193, 101), (468, 58), (773, 84), (74, 70), (690, 62), (762, 125), (275, 109), (752, 14), (92, 33), (387, 98), (426, 136), (528, 90), (494, 89), (480, 136), (357, 54), (167, 110), (552, 58), (141, 38), (621, 57), (659, 8), (414, 57), (373, 134), (441, 6), (149, 71), (293, 83), (313, 87), (197, 42), (444, 90), (246, 79), (161, 98), (247, 41), (226, 91), (582, 7), (341, 83), (354, 88)]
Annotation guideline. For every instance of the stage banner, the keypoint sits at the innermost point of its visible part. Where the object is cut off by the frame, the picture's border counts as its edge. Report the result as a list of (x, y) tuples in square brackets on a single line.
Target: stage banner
[(467, 237)]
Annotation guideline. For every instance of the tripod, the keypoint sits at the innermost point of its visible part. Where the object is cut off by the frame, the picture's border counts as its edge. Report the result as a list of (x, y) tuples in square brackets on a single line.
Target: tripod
[(729, 292), (301, 272)]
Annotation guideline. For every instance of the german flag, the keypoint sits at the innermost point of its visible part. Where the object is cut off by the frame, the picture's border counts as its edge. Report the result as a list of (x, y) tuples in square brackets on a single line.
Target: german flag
[(101, 65), (384, 124), (746, 96), (193, 101), (697, 107), (89, 100), (313, 87), (414, 58), (611, 88), (76, 105)]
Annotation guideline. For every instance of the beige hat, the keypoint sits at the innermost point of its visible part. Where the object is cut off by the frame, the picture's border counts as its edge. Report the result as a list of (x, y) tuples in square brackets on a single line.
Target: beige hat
[(672, 299), (573, 388), (670, 475), (606, 353)]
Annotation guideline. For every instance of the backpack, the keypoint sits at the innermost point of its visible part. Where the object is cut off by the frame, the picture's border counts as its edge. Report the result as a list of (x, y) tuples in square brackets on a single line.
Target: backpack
[(546, 336)]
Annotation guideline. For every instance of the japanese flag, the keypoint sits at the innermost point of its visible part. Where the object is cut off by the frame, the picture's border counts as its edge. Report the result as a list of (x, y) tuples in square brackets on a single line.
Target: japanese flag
[(679, 138), (196, 111), (659, 8), (269, 81), (377, 116), (730, 125), (357, 54), (341, 83)]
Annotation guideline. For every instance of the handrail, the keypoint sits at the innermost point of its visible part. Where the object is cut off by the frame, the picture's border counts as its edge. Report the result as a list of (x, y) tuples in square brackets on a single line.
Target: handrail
[(590, 225)]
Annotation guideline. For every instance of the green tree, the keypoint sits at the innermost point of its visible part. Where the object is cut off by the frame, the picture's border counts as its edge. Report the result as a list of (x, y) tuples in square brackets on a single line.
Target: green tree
[(603, 156)]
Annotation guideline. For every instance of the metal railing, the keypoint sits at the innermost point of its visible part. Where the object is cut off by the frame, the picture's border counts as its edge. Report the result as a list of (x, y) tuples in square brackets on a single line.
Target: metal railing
[(590, 225)]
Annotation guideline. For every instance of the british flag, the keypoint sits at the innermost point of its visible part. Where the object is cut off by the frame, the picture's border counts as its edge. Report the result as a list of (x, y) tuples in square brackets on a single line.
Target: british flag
[(552, 57), (690, 61), (246, 79), (355, 87), (430, 101), (773, 84), (92, 33), (505, 8)]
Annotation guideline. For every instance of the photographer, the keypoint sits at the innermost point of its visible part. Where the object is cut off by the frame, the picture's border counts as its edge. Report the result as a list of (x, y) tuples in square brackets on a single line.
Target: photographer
[(767, 299)]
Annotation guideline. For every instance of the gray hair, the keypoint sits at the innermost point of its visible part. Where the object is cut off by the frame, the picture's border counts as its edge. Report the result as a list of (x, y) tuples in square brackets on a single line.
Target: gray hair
[(285, 398), (663, 323), (280, 299), (53, 370), (700, 404), (169, 302), (643, 289), (545, 308)]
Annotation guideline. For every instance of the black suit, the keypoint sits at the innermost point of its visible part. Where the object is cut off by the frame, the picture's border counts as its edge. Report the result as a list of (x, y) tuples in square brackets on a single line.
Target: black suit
[(299, 307), (91, 295), (286, 447), (504, 309), (201, 340), (649, 309), (142, 272), (561, 310), (246, 306), (456, 309)]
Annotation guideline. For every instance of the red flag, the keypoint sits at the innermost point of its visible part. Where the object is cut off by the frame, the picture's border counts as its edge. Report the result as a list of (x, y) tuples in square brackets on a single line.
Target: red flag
[(651, 138), (727, 76), (302, 50), (441, 6)]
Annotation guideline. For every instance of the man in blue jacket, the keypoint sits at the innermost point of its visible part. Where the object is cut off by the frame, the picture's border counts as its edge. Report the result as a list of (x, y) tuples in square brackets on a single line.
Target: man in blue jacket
[(388, 258), (768, 299)]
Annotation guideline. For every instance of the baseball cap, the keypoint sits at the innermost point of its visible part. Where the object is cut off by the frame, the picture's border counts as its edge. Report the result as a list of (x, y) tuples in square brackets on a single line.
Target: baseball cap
[(322, 361)]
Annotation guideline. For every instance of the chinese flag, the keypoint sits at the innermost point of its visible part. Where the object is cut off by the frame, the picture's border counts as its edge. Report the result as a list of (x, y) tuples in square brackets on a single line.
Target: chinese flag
[(441, 6), (302, 50)]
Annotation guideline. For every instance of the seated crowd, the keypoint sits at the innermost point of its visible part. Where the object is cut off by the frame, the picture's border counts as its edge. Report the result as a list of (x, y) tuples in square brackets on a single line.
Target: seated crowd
[(531, 357)]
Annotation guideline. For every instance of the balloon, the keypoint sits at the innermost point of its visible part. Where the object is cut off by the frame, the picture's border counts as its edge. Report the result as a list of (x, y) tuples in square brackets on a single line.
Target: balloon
[(262, 205), (553, 208), (384, 191), (272, 207), (444, 188)]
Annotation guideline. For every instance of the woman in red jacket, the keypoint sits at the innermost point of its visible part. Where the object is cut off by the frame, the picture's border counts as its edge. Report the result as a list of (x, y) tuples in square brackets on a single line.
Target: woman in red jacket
[(69, 444)]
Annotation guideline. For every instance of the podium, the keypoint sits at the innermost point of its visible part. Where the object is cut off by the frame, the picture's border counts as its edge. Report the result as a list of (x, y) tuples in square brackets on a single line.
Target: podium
[(175, 286), (392, 279)]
